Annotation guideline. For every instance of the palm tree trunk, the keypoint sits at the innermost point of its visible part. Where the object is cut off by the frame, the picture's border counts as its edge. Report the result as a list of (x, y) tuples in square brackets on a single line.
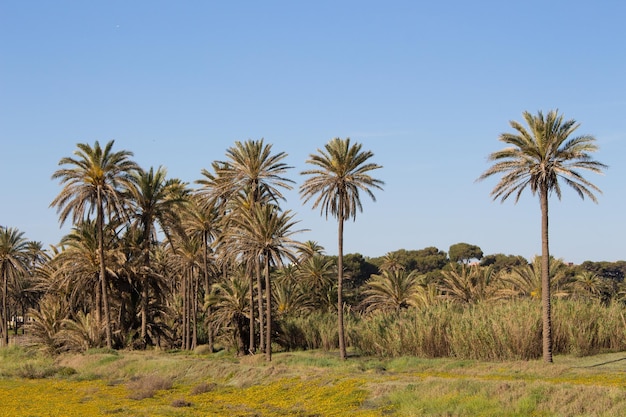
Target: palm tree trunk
[(207, 287), (183, 298), (188, 309), (259, 291), (144, 285), (5, 294), (251, 301), (194, 312), (98, 301), (103, 276), (545, 278), (342, 341), (268, 309)]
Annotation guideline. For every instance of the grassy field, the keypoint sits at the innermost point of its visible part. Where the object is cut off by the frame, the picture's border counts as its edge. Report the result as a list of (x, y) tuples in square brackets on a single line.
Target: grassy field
[(109, 383)]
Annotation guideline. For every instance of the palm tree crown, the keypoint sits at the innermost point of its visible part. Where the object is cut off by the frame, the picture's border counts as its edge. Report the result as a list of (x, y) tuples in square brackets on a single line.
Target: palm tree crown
[(252, 168), (93, 171), (541, 155), (341, 174)]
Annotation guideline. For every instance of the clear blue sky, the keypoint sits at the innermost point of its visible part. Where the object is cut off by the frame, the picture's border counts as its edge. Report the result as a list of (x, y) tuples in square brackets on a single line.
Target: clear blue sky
[(427, 86)]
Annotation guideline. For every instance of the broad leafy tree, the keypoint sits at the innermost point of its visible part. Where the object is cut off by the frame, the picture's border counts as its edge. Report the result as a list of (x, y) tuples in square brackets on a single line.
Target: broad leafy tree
[(540, 157), (341, 172), (464, 252), (93, 180)]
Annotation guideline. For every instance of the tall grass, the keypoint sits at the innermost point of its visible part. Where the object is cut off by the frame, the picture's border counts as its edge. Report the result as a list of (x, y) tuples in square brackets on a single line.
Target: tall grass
[(504, 330)]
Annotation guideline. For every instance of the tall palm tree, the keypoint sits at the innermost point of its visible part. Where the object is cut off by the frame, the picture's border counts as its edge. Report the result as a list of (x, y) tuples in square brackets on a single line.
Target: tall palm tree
[(537, 158), (201, 221), (265, 234), (154, 200), (251, 174), (341, 173), (93, 181), (187, 261), (13, 262)]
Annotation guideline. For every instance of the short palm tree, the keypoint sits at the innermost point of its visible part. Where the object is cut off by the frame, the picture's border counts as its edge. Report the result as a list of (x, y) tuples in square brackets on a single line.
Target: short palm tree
[(538, 158), (525, 280), (229, 301), (92, 182), (341, 173), (77, 267), (13, 262), (317, 272), (392, 290), (392, 262), (589, 284), (309, 249), (470, 283)]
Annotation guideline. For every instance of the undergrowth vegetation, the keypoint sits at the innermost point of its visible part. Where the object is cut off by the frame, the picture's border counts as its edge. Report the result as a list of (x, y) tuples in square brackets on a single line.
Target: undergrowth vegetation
[(504, 330)]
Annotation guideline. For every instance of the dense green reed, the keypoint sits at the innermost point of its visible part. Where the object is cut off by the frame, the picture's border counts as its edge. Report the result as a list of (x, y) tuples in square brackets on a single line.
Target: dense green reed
[(502, 330)]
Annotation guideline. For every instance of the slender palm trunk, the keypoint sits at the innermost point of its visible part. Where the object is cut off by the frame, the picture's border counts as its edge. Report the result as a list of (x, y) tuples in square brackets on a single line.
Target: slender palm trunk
[(259, 291), (183, 297), (144, 285), (186, 311), (5, 314), (342, 340), (103, 275), (98, 301), (207, 287), (194, 312), (545, 278), (268, 303), (251, 340)]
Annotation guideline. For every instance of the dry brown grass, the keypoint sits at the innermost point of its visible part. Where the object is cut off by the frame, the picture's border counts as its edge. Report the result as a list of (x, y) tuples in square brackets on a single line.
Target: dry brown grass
[(147, 386)]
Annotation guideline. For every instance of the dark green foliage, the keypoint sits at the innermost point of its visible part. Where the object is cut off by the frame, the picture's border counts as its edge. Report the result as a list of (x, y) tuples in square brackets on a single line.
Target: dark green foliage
[(358, 269), (423, 260), (610, 270), (464, 252), (500, 261)]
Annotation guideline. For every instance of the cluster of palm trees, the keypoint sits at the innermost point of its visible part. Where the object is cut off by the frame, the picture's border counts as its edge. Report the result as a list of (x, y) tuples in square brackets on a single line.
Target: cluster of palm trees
[(153, 261)]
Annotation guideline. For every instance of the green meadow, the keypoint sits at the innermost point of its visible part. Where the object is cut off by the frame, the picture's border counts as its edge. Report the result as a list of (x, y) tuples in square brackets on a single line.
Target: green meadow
[(308, 383)]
